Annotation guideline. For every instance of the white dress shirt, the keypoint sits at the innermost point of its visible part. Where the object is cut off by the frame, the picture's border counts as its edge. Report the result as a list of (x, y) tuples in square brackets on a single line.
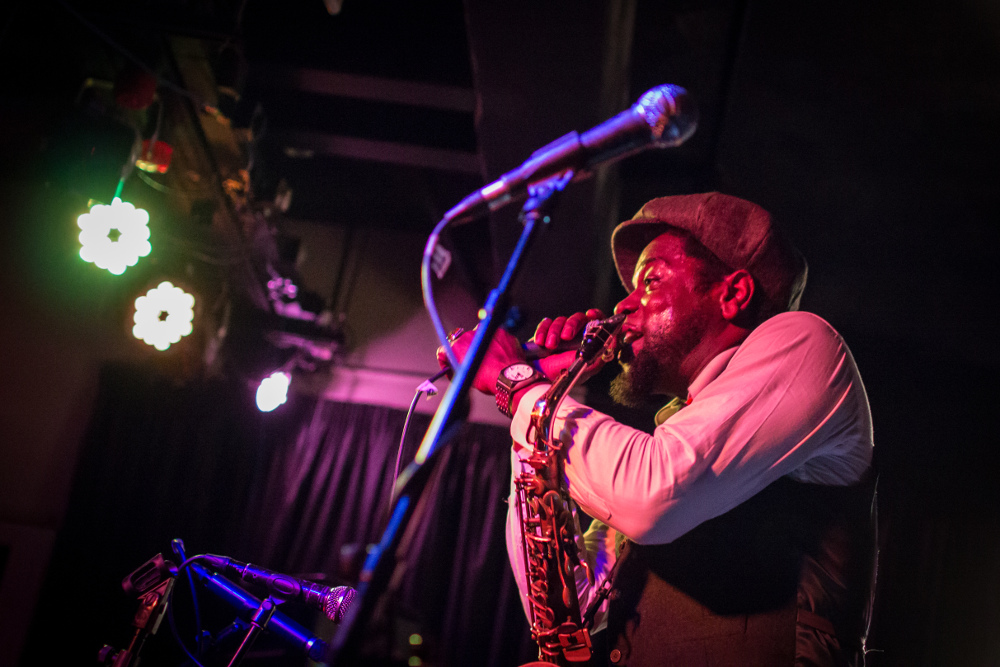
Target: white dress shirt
[(788, 401)]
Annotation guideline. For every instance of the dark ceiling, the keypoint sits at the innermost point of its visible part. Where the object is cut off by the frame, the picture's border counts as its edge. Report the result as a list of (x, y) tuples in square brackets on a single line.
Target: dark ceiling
[(870, 130), (863, 126)]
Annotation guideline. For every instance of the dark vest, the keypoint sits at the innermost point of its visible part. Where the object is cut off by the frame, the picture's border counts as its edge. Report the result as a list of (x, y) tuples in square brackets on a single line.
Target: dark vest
[(786, 578)]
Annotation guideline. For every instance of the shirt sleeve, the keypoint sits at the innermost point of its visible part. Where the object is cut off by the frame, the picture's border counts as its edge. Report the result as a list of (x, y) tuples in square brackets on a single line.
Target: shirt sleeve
[(789, 402)]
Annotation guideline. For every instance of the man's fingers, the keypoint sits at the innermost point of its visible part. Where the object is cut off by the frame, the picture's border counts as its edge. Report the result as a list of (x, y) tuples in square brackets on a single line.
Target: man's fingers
[(542, 330), (574, 325), (551, 332), (555, 333)]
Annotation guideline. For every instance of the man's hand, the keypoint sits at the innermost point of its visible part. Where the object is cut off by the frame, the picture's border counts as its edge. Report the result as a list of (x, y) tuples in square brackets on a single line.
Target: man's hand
[(551, 332), (503, 351)]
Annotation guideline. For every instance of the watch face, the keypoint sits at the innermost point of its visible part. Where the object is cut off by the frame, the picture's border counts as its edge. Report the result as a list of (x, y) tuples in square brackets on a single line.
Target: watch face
[(518, 372)]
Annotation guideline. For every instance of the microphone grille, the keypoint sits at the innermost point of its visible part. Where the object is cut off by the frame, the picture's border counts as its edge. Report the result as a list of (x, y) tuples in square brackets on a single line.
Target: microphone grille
[(338, 601), (670, 114)]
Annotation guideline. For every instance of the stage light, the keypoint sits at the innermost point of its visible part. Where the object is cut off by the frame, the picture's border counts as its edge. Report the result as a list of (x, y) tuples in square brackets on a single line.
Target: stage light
[(114, 237), (155, 158), (163, 316), (273, 391)]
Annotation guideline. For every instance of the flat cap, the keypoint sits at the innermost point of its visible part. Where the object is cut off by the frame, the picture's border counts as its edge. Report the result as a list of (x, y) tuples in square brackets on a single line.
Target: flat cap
[(738, 232)]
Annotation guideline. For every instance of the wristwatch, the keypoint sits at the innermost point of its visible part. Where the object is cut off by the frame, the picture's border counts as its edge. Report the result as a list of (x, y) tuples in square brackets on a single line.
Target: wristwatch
[(511, 380)]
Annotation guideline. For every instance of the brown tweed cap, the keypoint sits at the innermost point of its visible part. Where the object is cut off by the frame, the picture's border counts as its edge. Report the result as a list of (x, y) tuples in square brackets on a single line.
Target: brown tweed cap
[(737, 231)]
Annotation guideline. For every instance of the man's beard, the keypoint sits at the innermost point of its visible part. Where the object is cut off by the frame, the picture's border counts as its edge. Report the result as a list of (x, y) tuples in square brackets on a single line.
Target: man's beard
[(636, 383), (659, 358)]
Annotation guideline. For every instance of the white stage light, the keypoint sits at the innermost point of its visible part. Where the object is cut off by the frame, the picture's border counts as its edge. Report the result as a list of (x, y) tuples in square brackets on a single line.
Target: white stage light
[(273, 391)]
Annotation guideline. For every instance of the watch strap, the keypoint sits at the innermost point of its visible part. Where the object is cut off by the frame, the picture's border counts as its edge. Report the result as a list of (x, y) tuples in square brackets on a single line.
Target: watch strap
[(505, 389)]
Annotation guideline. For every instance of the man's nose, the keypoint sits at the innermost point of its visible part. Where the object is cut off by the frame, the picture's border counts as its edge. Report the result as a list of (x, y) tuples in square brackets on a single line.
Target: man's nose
[(627, 305)]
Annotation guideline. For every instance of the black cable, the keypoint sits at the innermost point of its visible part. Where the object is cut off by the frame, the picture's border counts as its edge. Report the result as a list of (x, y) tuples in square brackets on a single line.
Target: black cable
[(170, 613), (399, 449), (406, 424), (177, 545), (427, 288)]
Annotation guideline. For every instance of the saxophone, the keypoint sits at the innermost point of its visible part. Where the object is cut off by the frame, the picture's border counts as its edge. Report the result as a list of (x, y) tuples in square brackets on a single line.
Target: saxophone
[(548, 523)]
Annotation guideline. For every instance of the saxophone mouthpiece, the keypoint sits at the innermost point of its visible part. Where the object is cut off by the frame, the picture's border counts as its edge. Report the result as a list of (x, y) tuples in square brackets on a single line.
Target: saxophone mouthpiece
[(601, 338)]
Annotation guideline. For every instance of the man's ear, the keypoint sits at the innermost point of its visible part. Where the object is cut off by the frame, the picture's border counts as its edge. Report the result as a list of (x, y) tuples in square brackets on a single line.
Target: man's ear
[(739, 291)]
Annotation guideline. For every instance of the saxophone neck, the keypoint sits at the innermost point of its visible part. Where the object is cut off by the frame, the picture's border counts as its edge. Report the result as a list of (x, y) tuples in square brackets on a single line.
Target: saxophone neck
[(600, 339)]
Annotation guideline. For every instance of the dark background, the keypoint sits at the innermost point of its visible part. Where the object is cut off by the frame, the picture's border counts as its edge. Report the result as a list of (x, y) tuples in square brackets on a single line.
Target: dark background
[(869, 129)]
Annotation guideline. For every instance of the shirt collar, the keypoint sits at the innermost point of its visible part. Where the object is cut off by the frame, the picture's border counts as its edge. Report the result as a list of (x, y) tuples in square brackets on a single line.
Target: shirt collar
[(710, 372)]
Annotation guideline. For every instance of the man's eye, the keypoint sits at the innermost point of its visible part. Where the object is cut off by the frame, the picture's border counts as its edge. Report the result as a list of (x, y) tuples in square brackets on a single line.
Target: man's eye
[(650, 280)]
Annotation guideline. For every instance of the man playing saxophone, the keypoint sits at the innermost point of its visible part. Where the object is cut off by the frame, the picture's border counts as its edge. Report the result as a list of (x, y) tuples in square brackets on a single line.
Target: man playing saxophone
[(740, 531)]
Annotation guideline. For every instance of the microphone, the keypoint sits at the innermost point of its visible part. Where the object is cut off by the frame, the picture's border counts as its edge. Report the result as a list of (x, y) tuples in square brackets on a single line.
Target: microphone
[(334, 602), (533, 350), (246, 605), (663, 117), (595, 336)]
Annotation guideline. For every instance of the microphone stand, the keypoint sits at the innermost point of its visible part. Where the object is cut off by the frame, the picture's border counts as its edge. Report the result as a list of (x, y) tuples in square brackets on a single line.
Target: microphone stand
[(248, 607), (261, 617), (449, 417)]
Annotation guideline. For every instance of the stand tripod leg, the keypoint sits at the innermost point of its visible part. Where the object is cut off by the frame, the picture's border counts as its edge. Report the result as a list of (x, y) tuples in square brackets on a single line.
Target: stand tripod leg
[(257, 624)]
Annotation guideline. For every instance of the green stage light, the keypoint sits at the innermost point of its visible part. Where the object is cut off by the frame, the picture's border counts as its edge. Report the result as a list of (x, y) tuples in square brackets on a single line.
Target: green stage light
[(114, 237)]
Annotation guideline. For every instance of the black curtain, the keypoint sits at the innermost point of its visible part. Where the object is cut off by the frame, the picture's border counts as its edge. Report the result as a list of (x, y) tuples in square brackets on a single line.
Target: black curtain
[(302, 490)]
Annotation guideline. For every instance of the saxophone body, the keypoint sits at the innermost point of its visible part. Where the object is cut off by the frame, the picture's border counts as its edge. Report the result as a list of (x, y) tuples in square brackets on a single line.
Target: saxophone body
[(549, 526)]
